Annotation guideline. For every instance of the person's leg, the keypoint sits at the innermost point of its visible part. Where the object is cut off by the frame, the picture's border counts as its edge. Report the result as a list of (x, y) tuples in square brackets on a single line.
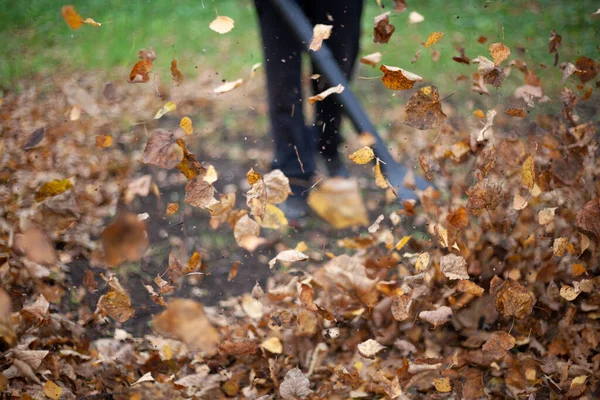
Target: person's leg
[(295, 144), (344, 44)]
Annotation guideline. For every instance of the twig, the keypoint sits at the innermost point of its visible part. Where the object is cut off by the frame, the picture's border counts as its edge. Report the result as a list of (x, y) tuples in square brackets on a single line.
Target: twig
[(299, 160)]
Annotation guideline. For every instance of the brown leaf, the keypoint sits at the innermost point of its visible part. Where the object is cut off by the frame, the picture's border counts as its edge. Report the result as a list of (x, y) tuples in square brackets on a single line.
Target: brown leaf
[(528, 173), (200, 193), (323, 95), (499, 52), (383, 30), (560, 246), (588, 218), (395, 78), (437, 317), (306, 297), (256, 197), (401, 307), (469, 287), (103, 141), (295, 385), (116, 304), (486, 194), (454, 267), (498, 344), (36, 246), (288, 256), (587, 69), (185, 320), (89, 281), (233, 271), (176, 74), (424, 110), (462, 59), (176, 269), (320, 32), (140, 73), (239, 347), (278, 187), (400, 5), (162, 150), (172, 208), (554, 42), (125, 239), (515, 112), (512, 299), (155, 297)]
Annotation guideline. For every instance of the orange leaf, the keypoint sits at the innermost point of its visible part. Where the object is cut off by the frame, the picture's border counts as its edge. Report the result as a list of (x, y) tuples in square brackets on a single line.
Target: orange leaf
[(176, 73), (103, 141), (140, 71), (71, 17), (397, 78), (499, 52), (515, 112)]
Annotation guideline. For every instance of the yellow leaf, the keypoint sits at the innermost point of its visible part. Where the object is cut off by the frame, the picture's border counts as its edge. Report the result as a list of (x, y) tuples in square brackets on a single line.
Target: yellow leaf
[(362, 156), (433, 38), (52, 188), (222, 24), (172, 208), (402, 242), (103, 141), (90, 21), (170, 106), (253, 177), (339, 202), (272, 345), (274, 218), (422, 262), (380, 180), (528, 173), (560, 246), (442, 385), (479, 114), (397, 78), (52, 390), (186, 125)]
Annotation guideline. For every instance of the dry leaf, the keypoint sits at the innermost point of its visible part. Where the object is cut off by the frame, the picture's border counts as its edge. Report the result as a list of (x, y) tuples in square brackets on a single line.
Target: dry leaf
[(363, 155), (162, 150), (239, 346), (568, 69), (498, 344), (228, 86), (437, 317), (147, 377), (424, 110), (222, 24), (140, 73), (512, 299), (169, 106), (375, 225), (587, 69), (71, 17), (528, 172), (499, 52), (519, 202), (36, 246), (256, 197), (383, 30), (569, 293), (245, 228), (186, 125), (103, 141), (402, 242), (371, 59), (546, 215), (380, 180), (89, 281), (278, 186), (288, 256), (52, 188), (588, 218), (515, 112), (442, 385), (369, 348), (233, 271), (422, 262), (433, 38), (401, 307), (295, 385), (321, 96), (414, 18), (339, 202), (200, 193), (560, 246), (469, 287), (176, 73), (397, 78), (454, 267), (320, 32), (272, 345), (485, 194), (125, 239), (273, 218), (306, 297), (52, 390), (116, 304)]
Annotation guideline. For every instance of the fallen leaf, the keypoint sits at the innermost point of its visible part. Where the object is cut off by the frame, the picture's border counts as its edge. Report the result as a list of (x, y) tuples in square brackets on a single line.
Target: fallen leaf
[(395, 78), (437, 317), (422, 261), (588, 218), (288, 256), (512, 299), (454, 267), (499, 52), (442, 385), (295, 385), (585, 242), (323, 95), (498, 344), (369, 348), (306, 297), (103, 141), (362, 156), (36, 246), (528, 172), (52, 188), (414, 18), (401, 307), (320, 32), (228, 86), (186, 125), (569, 293), (272, 345), (469, 287), (560, 246), (433, 38), (519, 202), (587, 69), (147, 377), (546, 215), (125, 239), (185, 320), (238, 346), (371, 59), (176, 74), (169, 106), (222, 24), (116, 304), (424, 110), (71, 17), (52, 390), (383, 30), (162, 150)]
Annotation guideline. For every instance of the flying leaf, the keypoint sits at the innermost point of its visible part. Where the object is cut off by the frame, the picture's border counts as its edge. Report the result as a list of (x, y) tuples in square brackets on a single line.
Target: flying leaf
[(433, 38), (528, 172), (103, 141), (362, 156), (256, 197), (320, 33), (295, 385), (278, 186), (186, 125), (52, 390), (383, 30), (546, 215), (228, 86), (512, 299), (485, 194), (454, 267), (375, 225), (422, 262), (273, 218), (272, 345), (560, 246), (339, 202), (90, 21), (515, 112), (125, 239), (442, 385), (588, 218), (568, 69), (169, 106), (71, 17), (397, 78), (323, 95), (498, 344), (402, 242), (36, 246), (116, 304), (469, 287), (486, 132), (200, 193), (437, 317), (52, 188), (499, 52), (424, 110), (414, 18), (371, 59), (162, 150), (462, 59), (176, 73), (369, 348), (288, 256), (554, 42), (306, 297), (569, 293), (587, 69), (245, 229), (222, 24), (401, 307), (140, 73), (380, 180)]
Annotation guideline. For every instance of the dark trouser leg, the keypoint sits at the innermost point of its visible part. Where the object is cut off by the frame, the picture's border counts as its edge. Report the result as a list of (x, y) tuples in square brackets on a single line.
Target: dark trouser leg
[(282, 53), (344, 43)]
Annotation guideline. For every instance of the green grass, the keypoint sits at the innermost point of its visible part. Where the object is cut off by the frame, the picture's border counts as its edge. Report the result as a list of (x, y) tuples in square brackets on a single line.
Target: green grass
[(35, 41)]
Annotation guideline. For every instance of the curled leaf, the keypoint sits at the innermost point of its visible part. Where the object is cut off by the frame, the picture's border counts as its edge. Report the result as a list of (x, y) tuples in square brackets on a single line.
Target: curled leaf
[(383, 30), (323, 95), (395, 78), (363, 155), (320, 33)]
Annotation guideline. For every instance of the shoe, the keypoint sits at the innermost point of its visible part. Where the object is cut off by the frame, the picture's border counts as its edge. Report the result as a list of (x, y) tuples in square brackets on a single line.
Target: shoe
[(336, 167), (296, 207)]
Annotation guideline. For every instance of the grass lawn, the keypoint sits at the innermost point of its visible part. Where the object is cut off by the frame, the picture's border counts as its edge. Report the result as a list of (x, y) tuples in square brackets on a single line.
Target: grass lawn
[(34, 40)]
